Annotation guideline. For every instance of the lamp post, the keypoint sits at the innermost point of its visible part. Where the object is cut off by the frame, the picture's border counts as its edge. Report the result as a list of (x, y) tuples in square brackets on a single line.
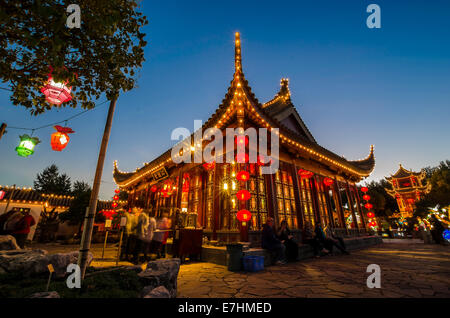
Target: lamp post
[(85, 244)]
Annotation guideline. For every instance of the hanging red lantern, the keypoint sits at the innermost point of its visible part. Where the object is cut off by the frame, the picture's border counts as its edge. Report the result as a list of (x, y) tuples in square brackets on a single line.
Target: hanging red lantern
[(114, 204), (153, 188), (373, 223), (243, 195), (242, 158), (209, 165), (261, 160), (60, 138), (368, 206), (116, 197), (370, 215), (243, 176), (410, 200), (241, 140), (366, 197), (364, 189), (185, 186), (244, 216), (56, 93), (328, 181), (2, 194), (305, 174), (117, 191)]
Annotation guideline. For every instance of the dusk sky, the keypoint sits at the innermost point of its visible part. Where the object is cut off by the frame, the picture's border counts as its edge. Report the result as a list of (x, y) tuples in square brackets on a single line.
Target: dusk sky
[(353, 86)]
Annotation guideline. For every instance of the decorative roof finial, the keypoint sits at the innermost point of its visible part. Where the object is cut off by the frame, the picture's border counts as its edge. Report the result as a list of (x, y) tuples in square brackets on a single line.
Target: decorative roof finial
[(237, 53)]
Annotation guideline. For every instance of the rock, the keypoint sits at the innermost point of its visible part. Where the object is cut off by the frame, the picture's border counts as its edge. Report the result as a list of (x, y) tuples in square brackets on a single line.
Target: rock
[(158, 292), (51, 294), (8, 242), (34, 262), (162, 272)]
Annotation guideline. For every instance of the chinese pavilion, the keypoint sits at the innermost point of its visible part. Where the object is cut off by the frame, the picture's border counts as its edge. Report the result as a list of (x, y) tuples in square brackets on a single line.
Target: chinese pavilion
[(311, 185), (407, 188)]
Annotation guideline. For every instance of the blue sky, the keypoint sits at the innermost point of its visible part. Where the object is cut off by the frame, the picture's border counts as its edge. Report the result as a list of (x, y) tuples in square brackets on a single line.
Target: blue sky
[(352, 85)]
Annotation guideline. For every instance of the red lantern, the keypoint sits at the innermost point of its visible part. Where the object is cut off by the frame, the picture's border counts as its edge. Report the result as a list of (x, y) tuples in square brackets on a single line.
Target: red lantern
[(366, 197), (241, 158), (60, 138), (261, 160), (114, 204), (116, 197), (117, 191), (368, 206), (305, 174), (364, 189), (241, 140), (410, 200), (243, 195), (209, 165), (56, 93), (370, 215), (373, 223), (154, 188), (328, 181), (243, 176), (244, 216), (2, 194)]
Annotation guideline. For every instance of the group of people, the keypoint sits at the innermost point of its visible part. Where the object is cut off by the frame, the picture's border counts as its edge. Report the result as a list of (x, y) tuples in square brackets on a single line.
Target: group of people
[(144, 234), (17, 224), (282, 245)]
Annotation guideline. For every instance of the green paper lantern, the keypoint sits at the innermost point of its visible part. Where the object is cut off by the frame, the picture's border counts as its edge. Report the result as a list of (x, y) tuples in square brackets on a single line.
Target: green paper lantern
[(26, 145)]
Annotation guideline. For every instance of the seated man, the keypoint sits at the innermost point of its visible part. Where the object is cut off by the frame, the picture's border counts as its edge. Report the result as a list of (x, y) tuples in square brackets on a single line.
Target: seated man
[(271, 243), (329, 240)]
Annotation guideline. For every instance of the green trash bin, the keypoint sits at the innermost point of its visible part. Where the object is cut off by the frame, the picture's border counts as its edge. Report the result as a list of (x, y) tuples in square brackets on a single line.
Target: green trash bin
[(234, 257)]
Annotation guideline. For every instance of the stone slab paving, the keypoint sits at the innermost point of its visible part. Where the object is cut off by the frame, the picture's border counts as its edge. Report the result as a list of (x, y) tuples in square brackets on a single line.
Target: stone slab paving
[(407, 270)]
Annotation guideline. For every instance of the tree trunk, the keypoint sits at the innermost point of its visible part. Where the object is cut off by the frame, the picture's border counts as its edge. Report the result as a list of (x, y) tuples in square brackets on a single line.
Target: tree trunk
[(85, 244)]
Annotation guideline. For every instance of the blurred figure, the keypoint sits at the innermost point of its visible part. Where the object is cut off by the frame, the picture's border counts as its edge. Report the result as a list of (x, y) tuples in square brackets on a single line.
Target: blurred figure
[(284, 234), (144, 237), (129, 234), (437, 230), (309, 237), (160, 236), (22, 222), (335, 240), (3, 219), (271, 243)]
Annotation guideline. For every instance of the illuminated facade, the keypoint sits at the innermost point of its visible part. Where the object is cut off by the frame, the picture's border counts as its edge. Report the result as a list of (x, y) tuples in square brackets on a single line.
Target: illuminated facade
[(407, 188), (327, 194)]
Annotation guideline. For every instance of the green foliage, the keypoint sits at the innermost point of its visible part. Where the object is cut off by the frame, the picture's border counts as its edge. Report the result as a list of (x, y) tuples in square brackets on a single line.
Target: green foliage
[(383, 204), (118, 283), (52, 182), (100, 57), (439, 179)]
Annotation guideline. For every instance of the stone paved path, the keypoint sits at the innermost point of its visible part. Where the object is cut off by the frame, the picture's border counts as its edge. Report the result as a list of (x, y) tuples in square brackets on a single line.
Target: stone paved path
[(407, 270)]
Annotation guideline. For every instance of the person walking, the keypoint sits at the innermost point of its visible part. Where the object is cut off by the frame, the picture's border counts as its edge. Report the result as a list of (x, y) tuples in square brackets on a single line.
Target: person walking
[(22, 228), (129, 239), (272, 244), (141, 236), (159, 237), (437, 230)]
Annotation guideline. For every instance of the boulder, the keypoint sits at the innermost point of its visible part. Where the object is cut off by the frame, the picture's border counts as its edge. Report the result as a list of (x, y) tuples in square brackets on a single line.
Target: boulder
[(8, 242), (158, 292), (162, 272), (51, 294), (34, 262)]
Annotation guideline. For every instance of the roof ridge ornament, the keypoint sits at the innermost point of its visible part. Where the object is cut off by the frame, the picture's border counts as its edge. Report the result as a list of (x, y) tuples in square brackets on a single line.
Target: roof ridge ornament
[(237, 54)]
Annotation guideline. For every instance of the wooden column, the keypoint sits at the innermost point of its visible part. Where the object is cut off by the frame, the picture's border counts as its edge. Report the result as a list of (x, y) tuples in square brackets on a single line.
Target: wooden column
[(216, 202), (340, 211), (350, 202), (298, 202), (317, 217)]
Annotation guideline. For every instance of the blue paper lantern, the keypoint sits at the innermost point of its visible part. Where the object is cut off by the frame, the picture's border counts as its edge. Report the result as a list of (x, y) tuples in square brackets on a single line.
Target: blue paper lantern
[(446, 235)]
